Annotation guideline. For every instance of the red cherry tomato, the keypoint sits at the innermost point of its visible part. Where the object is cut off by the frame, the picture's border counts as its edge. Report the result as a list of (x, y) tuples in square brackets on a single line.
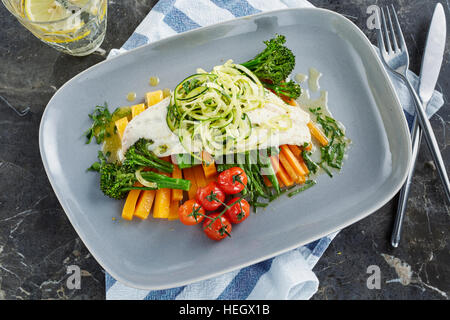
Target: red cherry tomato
[(239, 210), (232, 180), (210, 197), (191, 213), (219, 229)]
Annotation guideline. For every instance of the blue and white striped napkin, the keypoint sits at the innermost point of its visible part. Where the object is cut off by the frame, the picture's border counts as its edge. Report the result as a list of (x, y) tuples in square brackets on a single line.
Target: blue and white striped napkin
[(288, 276)]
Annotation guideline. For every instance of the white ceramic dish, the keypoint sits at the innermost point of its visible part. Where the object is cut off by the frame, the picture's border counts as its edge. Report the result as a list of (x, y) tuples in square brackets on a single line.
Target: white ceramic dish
[(154, 254)]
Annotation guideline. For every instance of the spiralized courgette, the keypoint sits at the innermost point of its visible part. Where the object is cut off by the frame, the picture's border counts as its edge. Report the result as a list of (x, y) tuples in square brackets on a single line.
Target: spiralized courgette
[(208, 110)]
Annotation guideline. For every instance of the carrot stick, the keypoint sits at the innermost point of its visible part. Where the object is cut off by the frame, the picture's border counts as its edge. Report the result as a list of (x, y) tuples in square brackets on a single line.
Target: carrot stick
[(188, 174), (209, 167), (130, 204), (293, 160), (173, 214), (304, 166), (318, 134), (281, 173), (162, 203), (177, 195), (144, 204), (211, 178), (199, 176), (295, 150), (301, 180), (292, 102), (298, 153), (285, 178), (289, 169)]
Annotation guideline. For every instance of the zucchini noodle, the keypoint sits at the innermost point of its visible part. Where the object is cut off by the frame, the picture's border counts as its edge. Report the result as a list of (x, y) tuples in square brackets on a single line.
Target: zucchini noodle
[(208, 110), (144, 182)]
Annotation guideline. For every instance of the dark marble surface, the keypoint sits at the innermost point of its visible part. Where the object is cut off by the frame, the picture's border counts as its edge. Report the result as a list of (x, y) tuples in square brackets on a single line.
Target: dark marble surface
[(37, 242)]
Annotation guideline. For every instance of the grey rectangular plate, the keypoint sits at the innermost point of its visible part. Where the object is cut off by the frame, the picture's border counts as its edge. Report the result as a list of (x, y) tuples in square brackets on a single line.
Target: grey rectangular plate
[(156, 254)]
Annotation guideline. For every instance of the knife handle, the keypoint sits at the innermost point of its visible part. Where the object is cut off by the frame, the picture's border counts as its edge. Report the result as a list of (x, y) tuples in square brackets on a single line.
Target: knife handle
[(430, 138)]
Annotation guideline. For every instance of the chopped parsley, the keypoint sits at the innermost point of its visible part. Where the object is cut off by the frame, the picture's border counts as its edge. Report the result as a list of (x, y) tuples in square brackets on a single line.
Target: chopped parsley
[(332, 155), (101, 118)]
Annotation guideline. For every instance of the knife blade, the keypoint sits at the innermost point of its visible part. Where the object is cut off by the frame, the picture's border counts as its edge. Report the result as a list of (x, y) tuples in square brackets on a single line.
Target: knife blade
[(429, 74), (433, 55)]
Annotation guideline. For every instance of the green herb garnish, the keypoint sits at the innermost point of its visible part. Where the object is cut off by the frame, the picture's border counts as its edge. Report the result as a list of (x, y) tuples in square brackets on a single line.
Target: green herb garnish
[(332, 155), (308, 184), (101, 118)]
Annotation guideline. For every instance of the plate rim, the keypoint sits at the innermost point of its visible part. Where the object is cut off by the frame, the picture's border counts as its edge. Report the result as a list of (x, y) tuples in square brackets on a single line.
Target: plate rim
[(368, 211)]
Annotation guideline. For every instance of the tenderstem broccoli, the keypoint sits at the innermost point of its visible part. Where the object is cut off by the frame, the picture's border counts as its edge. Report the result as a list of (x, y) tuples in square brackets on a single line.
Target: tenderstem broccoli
[(139, 155), (116, 180), (275, 63), (288, 89)]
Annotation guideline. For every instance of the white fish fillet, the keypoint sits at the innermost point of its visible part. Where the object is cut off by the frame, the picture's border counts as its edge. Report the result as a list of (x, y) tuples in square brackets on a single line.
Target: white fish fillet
[(151, 124)]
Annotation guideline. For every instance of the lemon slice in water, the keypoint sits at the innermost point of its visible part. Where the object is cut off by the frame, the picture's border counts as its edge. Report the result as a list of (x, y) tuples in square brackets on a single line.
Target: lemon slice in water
[(52, 10), (45, 10)]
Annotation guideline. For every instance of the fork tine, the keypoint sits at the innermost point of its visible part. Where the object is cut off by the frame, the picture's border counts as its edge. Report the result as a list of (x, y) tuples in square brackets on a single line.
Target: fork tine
[(399, 31), (380, 37), (386, 32), (391, 28)]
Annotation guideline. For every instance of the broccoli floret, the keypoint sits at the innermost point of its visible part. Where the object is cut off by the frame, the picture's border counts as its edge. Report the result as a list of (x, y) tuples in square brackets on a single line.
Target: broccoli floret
[(115, 180), (275, 63), (285, 89), (139, 155)]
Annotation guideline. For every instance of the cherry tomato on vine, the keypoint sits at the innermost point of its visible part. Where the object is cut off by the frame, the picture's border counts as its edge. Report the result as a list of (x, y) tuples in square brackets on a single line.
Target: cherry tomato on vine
[(232, 180), (239, 210), (210, 197), (219, 229), (191, 213)]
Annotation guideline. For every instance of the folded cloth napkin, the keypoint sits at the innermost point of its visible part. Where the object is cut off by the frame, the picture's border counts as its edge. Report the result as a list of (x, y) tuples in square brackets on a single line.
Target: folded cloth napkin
[(287, 276)]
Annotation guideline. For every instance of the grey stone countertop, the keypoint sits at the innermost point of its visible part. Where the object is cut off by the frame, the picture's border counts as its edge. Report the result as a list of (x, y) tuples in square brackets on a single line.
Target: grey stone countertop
[(38, 243)]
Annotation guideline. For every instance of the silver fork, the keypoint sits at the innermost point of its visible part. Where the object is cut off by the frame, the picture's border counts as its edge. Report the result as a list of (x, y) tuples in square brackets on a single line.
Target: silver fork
[(395, 55)]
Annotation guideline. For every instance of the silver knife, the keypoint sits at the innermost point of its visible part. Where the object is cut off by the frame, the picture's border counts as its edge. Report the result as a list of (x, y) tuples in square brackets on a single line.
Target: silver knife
[(429, 74)]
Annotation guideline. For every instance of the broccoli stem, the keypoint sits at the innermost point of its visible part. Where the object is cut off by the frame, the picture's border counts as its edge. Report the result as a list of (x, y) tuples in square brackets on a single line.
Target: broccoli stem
[(164, 182), (139, 156), (139, 160), (152, 157)]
